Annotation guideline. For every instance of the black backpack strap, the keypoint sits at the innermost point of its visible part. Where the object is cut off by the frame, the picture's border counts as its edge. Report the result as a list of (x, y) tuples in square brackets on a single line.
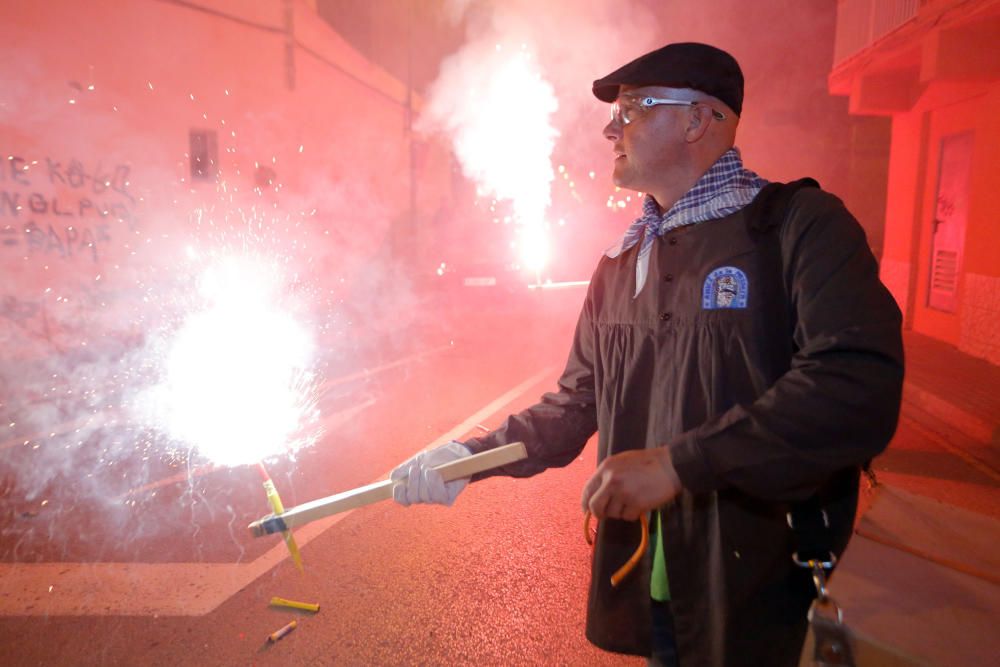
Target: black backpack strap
[(770, 207), (813, 540), (765, 216)]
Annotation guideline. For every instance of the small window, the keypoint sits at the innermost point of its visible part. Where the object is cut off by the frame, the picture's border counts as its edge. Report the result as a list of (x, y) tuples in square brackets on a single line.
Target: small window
[(204, 154)]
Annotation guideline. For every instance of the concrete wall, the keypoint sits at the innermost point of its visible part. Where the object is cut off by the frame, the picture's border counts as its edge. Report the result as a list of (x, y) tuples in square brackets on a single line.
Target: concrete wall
[(979, 332), (937, 77), (946, 109), (97, 202)]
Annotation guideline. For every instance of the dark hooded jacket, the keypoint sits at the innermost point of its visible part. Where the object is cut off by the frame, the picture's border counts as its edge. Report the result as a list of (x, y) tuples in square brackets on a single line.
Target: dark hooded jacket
[(770, 403)]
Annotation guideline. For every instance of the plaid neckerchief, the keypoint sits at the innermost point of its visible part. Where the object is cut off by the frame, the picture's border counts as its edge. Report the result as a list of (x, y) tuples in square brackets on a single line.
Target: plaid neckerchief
[(725, 188)]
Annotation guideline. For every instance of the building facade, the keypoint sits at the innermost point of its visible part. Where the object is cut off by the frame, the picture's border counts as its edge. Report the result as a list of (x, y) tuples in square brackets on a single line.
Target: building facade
[(933, 68), (133, 134)]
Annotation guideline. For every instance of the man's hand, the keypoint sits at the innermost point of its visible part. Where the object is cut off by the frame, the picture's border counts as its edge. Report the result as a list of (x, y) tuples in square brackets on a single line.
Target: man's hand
[(631, 483), (418, 482)]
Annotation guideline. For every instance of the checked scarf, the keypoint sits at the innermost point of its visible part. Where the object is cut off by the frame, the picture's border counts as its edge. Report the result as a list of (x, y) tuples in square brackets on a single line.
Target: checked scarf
[(725, 188)]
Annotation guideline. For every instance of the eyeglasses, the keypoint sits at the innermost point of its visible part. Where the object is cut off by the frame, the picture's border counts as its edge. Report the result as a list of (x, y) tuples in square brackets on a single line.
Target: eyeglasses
[(626, 109)]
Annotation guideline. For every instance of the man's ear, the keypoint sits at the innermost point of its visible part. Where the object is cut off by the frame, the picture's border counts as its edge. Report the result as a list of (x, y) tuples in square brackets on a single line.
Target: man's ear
[(700, 120)]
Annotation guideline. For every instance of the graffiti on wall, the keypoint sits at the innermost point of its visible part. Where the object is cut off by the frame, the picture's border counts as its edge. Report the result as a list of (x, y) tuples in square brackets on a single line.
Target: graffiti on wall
[(62, 208)]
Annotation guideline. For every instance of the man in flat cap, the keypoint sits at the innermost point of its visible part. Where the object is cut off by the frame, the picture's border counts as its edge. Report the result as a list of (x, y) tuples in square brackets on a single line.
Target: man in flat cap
[(740, 361)]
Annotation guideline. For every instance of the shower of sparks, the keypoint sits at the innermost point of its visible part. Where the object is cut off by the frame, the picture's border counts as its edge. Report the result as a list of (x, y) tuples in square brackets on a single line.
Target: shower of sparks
[(237, 380), (497, 107)]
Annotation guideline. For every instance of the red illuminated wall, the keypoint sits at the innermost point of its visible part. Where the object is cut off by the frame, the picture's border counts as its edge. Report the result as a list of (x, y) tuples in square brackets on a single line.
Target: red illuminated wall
[(938, 78), (97, 200)]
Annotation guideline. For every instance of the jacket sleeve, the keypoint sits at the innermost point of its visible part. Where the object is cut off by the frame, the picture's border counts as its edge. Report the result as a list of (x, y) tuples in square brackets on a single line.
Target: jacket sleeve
[(838, 404), (555, 430)]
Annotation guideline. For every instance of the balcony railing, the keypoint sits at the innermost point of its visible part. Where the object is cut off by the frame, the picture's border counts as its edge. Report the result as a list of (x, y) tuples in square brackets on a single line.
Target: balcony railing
[(861, 23)]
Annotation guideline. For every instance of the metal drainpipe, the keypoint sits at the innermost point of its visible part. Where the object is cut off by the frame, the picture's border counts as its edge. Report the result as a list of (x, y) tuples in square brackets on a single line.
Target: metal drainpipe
[(289, 44), (409, 240)]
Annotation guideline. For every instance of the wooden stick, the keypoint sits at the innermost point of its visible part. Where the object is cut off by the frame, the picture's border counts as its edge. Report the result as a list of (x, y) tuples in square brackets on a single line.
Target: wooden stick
[(372, 493)]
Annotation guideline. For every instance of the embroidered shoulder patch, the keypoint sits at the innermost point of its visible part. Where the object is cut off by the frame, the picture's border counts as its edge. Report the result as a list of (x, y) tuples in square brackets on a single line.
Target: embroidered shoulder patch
[(725, 287)]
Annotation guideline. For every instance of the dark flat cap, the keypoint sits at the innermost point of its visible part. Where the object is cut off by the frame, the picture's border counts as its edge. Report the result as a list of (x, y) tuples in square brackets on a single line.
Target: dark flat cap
[(683, 65)]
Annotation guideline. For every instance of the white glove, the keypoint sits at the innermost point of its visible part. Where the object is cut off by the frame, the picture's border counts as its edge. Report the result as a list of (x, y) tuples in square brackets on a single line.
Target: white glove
[(418, 482)]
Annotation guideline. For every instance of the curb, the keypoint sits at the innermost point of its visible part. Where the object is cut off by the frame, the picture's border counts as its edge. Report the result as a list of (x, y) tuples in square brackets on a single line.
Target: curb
[(970, 424)]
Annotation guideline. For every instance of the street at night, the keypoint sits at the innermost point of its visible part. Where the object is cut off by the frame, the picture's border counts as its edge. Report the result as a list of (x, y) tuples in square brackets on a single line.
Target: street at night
[(725, 277), (499, 578)]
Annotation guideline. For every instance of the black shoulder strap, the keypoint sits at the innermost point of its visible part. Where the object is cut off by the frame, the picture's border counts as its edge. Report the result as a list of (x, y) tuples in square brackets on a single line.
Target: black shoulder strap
[(809, 520), (765, 216), (769, 208)]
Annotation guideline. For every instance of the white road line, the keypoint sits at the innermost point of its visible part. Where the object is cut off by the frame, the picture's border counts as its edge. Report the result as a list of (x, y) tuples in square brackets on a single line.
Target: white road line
[(172, 589), (368, 372), (563, 285), (488, 410)]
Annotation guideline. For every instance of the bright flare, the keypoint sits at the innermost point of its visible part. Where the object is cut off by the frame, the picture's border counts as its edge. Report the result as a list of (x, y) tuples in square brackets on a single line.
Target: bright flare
[(533, 246), (497, 107), (238, 382)]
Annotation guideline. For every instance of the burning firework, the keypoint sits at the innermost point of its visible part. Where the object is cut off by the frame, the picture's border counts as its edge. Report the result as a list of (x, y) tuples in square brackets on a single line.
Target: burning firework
[(237, 381)]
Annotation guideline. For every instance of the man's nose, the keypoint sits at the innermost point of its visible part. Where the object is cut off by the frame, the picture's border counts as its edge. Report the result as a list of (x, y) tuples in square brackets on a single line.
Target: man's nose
[(613, 130)]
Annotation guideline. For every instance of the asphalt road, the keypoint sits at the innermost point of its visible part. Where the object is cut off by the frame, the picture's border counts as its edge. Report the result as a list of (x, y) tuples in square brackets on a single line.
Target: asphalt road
[(148, 561), (160, 570)]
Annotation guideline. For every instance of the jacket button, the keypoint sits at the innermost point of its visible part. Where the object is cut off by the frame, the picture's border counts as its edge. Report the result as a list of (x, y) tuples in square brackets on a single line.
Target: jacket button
[(673, 240), (668, 277), (664, 316)]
